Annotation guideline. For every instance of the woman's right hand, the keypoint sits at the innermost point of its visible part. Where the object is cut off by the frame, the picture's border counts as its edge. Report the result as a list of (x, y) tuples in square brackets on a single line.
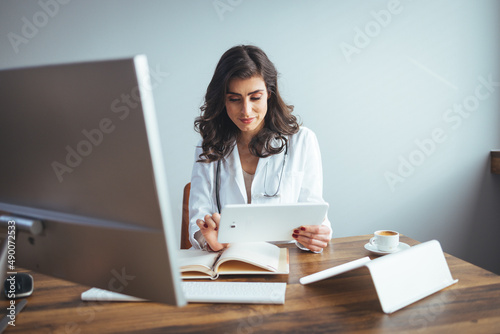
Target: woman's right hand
[(209, 228)]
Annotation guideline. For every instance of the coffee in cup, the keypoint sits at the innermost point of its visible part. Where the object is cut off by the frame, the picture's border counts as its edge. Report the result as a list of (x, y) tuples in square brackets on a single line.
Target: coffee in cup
[(385, 240)]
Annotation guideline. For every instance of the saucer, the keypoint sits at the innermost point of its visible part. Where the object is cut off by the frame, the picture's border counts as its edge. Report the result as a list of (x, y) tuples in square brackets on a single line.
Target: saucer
[(373, 249)]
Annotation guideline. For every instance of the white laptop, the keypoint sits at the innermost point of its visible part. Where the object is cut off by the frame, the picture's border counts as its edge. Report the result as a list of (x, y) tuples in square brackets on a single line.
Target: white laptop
[(267, 222)]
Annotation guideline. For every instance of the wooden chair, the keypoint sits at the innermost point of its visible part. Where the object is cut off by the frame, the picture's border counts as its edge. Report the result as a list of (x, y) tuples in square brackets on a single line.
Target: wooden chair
[(185, 243)]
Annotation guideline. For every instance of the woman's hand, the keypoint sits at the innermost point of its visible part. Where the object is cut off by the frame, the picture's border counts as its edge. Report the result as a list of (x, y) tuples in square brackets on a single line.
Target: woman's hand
[(209, 228), (314, 237)]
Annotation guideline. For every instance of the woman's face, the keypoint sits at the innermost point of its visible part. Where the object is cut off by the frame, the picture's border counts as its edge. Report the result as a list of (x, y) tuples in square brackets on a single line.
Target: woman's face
[(246, 104)]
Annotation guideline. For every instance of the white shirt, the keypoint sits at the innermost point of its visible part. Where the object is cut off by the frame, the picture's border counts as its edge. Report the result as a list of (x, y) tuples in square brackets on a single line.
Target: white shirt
[(302, 180)]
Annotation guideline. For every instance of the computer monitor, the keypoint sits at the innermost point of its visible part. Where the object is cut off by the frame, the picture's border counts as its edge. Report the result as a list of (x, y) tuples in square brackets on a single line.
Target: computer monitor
[(80, 151)]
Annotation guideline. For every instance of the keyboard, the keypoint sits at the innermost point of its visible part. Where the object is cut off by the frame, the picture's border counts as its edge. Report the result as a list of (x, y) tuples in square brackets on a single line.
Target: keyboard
[(235, 292), (210, 292)]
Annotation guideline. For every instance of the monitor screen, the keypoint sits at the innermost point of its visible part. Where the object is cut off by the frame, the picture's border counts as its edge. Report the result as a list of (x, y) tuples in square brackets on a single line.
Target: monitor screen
[(81, 152)]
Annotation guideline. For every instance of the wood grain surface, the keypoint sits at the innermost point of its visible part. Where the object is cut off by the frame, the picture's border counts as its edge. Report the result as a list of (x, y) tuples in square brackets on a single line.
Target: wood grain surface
[(346, 303)]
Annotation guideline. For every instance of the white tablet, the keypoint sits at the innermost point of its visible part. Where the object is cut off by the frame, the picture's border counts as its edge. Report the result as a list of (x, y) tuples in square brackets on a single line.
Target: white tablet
[(267, 222)]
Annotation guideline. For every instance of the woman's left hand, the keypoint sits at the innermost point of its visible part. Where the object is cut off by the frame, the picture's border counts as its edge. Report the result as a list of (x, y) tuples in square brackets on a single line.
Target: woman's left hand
[(314, 237)]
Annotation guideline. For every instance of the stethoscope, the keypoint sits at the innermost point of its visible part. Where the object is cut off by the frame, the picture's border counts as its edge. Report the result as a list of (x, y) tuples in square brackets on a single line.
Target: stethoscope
[(276, 193)]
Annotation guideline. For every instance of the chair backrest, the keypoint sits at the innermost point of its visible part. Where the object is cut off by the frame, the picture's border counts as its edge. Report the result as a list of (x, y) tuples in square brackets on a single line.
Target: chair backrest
[(185, 243)]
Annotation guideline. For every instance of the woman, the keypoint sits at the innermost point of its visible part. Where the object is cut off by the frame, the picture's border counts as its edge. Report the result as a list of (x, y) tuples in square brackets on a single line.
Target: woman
[(252, 140)]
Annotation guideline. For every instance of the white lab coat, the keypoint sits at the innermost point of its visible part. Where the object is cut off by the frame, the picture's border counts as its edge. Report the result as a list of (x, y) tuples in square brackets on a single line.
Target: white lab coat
[(302, 180)]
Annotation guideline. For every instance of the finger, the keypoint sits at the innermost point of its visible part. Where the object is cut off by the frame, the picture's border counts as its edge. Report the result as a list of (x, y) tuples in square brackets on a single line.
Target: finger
[(201, 224), (315, 229), (320, 237), (310, 246), (216, 219), (209, 234), (311, 243), (315, 249), (210, 222)]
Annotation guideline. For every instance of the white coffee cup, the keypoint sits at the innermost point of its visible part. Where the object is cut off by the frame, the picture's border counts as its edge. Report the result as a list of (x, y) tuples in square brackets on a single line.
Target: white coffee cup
[(385, 240)]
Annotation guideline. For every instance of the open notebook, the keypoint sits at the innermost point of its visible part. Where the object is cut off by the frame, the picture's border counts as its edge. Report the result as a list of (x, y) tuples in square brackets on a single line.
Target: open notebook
[(252, 258)]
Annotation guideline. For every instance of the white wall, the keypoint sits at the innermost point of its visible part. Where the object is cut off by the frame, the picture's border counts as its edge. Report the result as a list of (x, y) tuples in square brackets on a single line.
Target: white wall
[(376, 81)]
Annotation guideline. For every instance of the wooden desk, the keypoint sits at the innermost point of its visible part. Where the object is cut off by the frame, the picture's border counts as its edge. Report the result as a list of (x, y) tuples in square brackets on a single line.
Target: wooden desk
[(345, 303)]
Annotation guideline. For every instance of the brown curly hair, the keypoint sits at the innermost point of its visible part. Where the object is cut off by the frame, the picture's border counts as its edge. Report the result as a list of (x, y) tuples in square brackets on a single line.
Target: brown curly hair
[(216, 128)]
